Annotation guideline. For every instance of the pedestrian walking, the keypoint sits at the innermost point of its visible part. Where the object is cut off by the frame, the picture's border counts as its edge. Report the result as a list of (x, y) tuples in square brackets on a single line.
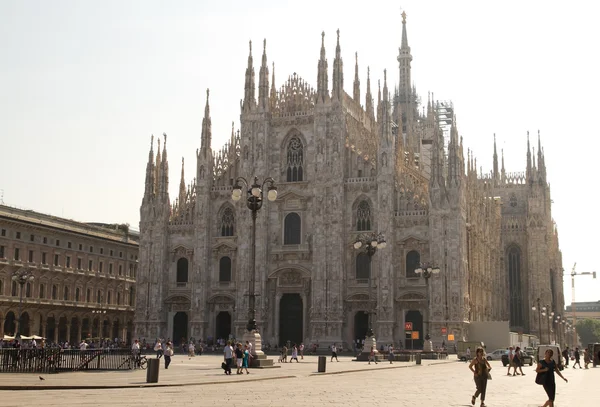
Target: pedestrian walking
[(246, 360), (239, 358), (302, 351), (577, 357), (545, 370), (294, 354), (566, 355), (391, 354), (586, 358), (191, 350), (372, 355), (334, 352), (518, 361), (228, 356), (468, 354), (511, 363), (158, 349), (168, 353), (481, 374)]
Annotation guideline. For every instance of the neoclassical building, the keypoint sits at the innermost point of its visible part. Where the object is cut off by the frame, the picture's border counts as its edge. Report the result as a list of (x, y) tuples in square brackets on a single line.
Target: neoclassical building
[(83, 282), (345, 165)]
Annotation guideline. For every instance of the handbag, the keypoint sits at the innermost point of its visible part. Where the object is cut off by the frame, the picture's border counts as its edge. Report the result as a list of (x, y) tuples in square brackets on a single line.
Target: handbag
[(540, 378), (489, 375)]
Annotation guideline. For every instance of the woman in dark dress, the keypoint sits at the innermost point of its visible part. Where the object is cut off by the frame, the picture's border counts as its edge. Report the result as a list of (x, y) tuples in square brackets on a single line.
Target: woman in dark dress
[(548, 367)]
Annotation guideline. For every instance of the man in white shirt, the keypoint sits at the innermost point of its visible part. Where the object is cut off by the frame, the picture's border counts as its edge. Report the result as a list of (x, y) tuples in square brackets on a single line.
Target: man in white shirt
[(228, 355), (83, 345), (135, 352)]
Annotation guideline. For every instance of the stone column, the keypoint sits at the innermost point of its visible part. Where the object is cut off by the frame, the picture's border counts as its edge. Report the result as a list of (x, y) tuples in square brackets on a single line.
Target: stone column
[(2, 326), (68, 333), (44, 328), (304, 314), (56, 329), (276, 324), (79, 328)]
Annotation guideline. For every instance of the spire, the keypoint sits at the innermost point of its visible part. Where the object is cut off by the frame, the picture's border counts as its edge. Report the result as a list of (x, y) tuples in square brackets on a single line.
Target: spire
[(164, 182), (149, 189), (263, 81), (379, 101), (356, 93), (273, 95), (495, 161), (541, 159), (337, 90), (529, 168), (404, 60), (404, 36), (206, 138), (322, 80), (369, 98), (249, 99), (157, 169), (503, 171), (182, 189)]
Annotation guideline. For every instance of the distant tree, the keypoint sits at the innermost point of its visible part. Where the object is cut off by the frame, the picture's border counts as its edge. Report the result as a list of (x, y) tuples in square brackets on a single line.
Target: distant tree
[(588, 330)]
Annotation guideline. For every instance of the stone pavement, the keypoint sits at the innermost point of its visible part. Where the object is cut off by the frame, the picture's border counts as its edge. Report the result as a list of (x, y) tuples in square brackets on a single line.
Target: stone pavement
[(432, 384)]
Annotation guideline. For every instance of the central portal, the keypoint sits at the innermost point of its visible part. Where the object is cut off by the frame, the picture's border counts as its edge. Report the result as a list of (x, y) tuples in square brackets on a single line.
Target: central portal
[(361, 325), (290, 319), (180, 328), (223, 325)]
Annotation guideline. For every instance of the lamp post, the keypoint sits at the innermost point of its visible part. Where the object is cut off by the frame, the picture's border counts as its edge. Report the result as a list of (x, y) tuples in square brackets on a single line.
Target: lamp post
[(550, 319), (21, 276), (541, 312), (427, 270), (370, 243), (254, 201)]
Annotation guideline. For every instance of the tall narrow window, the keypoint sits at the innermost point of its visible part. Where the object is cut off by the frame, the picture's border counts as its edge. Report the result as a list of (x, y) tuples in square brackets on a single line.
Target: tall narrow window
[(13, 290), (363, 266), (54, 292), (514, 287), (292, 229), (99, 297), (363, 216), (42, 291), (66, 293), (77, 294), (28, 290), (295, 160), (182, 271), (413, 261), (108, 297), (225, 269), (88, 295), (227, 221)]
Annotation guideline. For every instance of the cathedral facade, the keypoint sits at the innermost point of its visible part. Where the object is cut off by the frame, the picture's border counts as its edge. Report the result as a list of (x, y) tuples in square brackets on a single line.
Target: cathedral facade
[(344, 170)]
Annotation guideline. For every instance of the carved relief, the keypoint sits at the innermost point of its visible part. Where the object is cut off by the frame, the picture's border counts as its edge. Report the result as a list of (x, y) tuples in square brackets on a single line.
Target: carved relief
[(290, 278)]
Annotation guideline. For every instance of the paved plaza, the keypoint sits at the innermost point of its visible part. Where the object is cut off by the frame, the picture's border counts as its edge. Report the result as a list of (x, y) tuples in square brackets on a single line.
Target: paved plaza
[(200, 382)]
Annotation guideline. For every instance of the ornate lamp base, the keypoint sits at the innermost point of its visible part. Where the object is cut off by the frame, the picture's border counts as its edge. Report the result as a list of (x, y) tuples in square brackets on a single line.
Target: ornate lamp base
[(259, 358)]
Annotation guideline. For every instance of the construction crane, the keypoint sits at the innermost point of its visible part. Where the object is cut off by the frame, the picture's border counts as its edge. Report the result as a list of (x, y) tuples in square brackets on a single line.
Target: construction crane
[(573, 309)]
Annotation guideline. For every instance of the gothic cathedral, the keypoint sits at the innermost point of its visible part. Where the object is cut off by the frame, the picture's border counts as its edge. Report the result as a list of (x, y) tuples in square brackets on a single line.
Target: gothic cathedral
[(344, 170)]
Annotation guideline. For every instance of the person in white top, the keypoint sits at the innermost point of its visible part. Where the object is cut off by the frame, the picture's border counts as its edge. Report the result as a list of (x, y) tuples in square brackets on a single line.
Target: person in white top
[(334, 352), (135, 352), (83, 345)]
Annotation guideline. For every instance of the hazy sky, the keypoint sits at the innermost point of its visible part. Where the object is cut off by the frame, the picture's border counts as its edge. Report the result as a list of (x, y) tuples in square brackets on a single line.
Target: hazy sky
[(84, 84)]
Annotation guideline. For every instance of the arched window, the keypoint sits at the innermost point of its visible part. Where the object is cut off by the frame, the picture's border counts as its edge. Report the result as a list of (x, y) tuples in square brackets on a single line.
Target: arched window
[(292, 229), (227, 222), (413, 261), (66, 293), (363, 216), (182, 272), (514, 287), (42, 291), (28, 290), (295, 160), (77, 294), (54, 292), (363, 266), (88, 295), (13, 290), (225, 269)]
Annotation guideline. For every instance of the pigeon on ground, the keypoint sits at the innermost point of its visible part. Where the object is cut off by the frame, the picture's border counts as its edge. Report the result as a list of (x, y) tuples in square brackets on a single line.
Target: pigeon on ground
[(41, 378)]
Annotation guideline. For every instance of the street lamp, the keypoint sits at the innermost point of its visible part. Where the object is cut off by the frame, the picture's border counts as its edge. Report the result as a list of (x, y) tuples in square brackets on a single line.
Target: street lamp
[(427, 270), (21, 276), (541, 312), (370, 243), (254, 201)]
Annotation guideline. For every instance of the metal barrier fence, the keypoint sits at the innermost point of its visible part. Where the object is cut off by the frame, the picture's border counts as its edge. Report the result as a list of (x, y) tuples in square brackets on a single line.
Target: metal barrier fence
[(64, 360)]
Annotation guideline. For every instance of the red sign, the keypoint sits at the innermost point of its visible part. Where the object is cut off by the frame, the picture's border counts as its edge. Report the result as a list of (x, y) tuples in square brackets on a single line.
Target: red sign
[(408, 326), (444, 331)]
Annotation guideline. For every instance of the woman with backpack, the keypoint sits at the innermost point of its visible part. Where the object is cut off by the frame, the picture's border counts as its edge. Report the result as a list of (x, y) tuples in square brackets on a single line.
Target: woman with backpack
[(545, 376)]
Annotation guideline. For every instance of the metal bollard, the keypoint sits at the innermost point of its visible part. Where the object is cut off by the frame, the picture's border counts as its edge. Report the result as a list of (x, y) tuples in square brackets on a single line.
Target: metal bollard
[(418, 358), (152, 372), (322, 363)]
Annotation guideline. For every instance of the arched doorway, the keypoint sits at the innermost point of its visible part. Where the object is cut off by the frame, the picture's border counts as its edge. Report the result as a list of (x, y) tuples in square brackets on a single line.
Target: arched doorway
[(115, 330), (95, 328), (86, 329), (180, 327), (361, 325), (62, 329), (106, 329), (50, 329), (290, 319), (24, 326), (74, 338), (417, 323), (10, 324), (223, 325)]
